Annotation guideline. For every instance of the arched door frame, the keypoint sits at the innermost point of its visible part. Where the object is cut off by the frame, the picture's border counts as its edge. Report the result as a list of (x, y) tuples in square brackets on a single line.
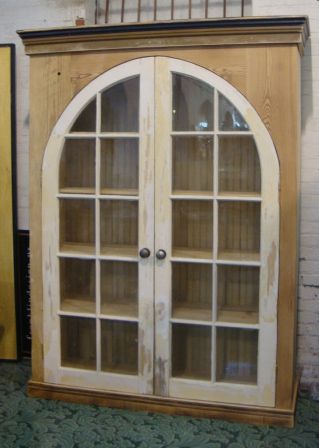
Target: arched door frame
[(264, 393)]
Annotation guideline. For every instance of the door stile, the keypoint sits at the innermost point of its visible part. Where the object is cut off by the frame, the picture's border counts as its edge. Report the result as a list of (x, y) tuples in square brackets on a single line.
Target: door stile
[(146, 228), (163, 227), (97, 231)]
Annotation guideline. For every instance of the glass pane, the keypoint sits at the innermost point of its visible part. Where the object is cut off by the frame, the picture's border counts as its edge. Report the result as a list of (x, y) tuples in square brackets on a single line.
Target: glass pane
[(120, 107), (119, 227), (119, 347), (229, 117), (77, 166), (77, 232), (191, 351), (86, 121), (119, 287), (77, 285), (78, 342), (119, 166), (192, 291), (192, 229), (237, 355), (193, 104), (238, 294), (239, 167), (193, 165), (239, 230)]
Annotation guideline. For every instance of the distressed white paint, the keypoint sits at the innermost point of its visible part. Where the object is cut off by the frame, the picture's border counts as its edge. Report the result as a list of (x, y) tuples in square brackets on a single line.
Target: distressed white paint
[(53, 372), (264, 392), (157, 72)]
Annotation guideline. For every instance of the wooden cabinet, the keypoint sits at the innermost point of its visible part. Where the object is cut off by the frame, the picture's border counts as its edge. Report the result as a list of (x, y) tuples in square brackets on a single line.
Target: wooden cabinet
[(164, 228)]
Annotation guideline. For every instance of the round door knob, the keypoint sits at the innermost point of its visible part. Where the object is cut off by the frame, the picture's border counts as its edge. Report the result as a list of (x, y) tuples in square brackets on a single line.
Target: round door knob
[(160, 254), (145, 253)]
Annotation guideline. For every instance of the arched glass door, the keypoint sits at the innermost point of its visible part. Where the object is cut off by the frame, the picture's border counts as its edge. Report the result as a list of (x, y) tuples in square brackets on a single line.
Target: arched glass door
[(161, 238), (217, 219)]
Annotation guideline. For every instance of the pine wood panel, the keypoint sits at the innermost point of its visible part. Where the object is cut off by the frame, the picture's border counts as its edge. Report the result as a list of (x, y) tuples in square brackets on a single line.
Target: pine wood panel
[(192, 165), (192, 225), (119, 166), (78, 342), (192, 291), (119, 288), (203, 409), (119, 225), (119, 347), (239, 167), (239, 227), (77, 223), (77, 167), (237, 355), (77, 285), (238, 294), (191, 351), (278, 89)]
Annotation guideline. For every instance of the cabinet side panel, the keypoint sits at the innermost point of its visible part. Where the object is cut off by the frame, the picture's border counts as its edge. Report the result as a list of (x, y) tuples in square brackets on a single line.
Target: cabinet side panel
[(49, 94), (273, 88)]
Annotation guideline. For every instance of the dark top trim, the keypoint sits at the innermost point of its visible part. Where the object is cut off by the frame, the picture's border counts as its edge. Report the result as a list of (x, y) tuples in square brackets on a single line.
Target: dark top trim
[(241, 22)]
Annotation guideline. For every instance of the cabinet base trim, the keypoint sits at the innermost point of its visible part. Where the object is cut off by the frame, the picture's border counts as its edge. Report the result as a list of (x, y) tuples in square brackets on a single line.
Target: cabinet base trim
[(242, 414)]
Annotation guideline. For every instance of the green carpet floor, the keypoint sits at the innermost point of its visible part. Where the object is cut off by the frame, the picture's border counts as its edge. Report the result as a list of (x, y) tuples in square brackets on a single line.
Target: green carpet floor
[(29, 422)]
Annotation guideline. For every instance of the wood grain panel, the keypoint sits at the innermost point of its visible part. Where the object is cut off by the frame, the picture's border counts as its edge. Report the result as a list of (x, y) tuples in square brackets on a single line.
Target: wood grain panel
[(49, 94), (119, 287), (192, 291), (238, 294), (77, 166), (77, 285), (276, 97), (203, 409), (239, 166), (8, 340)]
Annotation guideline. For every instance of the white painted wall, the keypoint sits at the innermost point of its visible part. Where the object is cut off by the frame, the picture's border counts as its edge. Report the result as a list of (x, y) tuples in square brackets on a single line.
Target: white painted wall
[(308, 303), (19, 14), (181, 9)]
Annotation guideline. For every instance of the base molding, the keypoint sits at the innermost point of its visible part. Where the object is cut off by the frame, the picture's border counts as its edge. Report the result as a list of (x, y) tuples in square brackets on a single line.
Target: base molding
[(199, 409)]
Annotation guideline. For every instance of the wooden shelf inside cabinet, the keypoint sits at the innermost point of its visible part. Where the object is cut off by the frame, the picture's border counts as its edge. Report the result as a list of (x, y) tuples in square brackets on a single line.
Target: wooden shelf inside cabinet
[(239, 195), (81, 365), (119, 251), (77, 248), (78, 305), (238, 316), (120, 309), (249, 380), (192, 313), (119, 191), (77, 190), (192, 194), (185, 252), (247, 257), (122, 370)]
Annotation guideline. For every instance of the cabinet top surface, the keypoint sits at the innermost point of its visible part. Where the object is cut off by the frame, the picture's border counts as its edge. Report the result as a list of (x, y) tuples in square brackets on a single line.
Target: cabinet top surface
[(179, 33)]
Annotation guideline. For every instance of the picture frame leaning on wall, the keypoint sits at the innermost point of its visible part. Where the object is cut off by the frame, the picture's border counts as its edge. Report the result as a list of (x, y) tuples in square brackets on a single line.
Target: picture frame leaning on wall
[(9, 342)]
